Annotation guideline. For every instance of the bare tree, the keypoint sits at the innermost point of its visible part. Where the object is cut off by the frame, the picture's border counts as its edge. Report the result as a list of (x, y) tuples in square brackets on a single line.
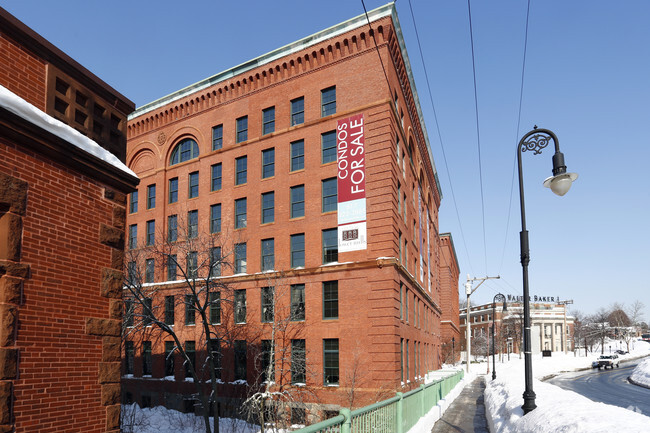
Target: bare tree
[(599, 326), (635, 312)]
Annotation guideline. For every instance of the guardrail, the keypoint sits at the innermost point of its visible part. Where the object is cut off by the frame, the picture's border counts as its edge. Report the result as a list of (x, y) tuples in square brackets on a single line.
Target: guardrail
[(395, 415)]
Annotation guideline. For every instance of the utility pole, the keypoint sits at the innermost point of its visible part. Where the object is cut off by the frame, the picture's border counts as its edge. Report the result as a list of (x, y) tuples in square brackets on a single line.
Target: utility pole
[(468, 292), (565, 337)]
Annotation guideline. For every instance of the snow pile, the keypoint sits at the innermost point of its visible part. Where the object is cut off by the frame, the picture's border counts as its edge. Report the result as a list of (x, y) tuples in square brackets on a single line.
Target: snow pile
[(641, 374)]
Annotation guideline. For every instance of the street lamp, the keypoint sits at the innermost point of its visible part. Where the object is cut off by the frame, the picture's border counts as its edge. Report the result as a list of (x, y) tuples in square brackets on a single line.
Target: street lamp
[(534, 141), (501, 298)]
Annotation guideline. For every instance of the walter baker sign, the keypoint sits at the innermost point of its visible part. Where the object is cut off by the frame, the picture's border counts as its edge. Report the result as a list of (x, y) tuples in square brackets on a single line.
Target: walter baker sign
[(351, 193)]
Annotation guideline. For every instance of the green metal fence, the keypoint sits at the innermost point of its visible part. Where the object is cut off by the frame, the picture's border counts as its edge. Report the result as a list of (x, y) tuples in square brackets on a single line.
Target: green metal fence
[(395, 415)]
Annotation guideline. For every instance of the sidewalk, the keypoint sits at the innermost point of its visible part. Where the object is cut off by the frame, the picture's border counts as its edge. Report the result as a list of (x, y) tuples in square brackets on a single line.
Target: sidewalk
[(466, 413)]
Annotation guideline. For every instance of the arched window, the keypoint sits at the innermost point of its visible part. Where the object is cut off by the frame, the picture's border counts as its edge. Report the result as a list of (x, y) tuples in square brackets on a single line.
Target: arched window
[(184, 151)]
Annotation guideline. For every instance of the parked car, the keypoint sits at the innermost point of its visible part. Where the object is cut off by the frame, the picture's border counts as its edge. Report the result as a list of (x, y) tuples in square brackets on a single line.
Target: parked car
[(595, 364), (621, 352), (610, 361)]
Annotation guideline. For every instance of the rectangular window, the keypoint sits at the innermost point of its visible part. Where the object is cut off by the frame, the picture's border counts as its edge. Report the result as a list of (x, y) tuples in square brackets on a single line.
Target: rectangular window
[(190, 351), (406, 305), (298, 155), (330, 300), (171, 267), (190, 312), (297, 111), (192, 224), (169, 310), (169, 358), (297, 201), (240, 305), (241, 170), (298, 367), (399, 245), (193, 185), (151, 196), (217, 137), (401, 305), (330, 246), (215, 218), (132, 271), (268, 163), (399, 199), (129, 358), (133, 236), (215, 308), (215, 262), (328, 146), (330, 361), (240, 213), (215, 348), (268, 207), (240, 258), (268, 120), (133, 202), (242, 129), (215, 176), (148, 271), (268, 254), (407, 360), (192, 264), (151, 232), (328, 101), (240, 359), (401, 359), (129, 310), (267, 363), (297, 302), (267, 304), (172, 228), (146, 358), (329, 194), (173, 190), (297, 250)]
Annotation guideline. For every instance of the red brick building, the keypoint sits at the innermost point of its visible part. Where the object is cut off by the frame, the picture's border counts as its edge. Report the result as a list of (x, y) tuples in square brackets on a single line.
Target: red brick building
[(62, 217), (249, 157), (449, 321)]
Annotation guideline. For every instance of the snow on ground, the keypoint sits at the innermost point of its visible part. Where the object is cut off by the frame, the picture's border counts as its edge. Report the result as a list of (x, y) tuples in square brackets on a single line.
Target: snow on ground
[(641, 373), (557, 410)]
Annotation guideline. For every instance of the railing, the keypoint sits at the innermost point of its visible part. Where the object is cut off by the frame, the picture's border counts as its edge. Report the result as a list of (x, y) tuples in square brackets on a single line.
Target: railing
[(395, 415)]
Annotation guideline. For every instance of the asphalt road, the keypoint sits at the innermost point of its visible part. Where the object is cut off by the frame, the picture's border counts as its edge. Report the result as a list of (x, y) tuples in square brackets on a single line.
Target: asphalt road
[(608, 386)]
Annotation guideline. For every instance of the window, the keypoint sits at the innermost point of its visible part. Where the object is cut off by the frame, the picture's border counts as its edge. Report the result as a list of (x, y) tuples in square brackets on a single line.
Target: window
[(129, 310), (169, 310), (240, 306), (192, 224), (215, 218), (330, 361), (129, 358), (173, 190), (267, 363), (297, 250), (190, 351), (240, 213), (297, 201), (240, 359), (268, 207), (401, 306), (268, 163), (297, 302), (298, 415), (328, 147), (406, 305), (407, 361), (193, 185), (169, 358), (148, 271), (146, 358), (215, 176), (133, 236), (151, 196), (268, 254), (217, 137), (184, 151), (297, 155), (151, 232), (330, 245), (240, 258), (267, 304), (330, 300), (215, 348), (242, 129), (215, 262), (215, 308), (241, 170), (172, 228), (190, 312), (297, 111), (399, 199), (192, 264), (133, 202), (298, 367), (399, 245), (132, 271), (328, 101), (268, 120)]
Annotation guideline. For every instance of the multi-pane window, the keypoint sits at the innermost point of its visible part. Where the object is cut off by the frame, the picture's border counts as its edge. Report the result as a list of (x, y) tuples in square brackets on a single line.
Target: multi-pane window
[(268, 120), (146, 358), (268, 207), (193, 190), (330, 361), (132, 272), (133, 236), (328, 101), (215, 176), (217, 137), (329, 194), (297, 250), (215, 349), (148, 271), (215, 308), (297, 196), (172, 228), (268, 254), (192, 264), (240, 213), (330, 246), (190, 351), (267, 363), (267, 304), (190, 312), (169, 358), (215, 262), (215, 218), (268, 163), (151, 232), (297, 155), (173, 190), (242, 129), (298, 111), (240, 306), (240, 258), (241, 170), (192, 224), (151, 196), (169, 310), (129, 357), (129, 311), (330, 300), (184, 151), (297, 302), (240, 359), (328, 146), (133, 202), (298, 367)]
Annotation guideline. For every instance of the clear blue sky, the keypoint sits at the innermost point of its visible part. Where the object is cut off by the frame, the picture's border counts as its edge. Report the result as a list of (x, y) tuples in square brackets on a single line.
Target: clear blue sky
[(586, 78)]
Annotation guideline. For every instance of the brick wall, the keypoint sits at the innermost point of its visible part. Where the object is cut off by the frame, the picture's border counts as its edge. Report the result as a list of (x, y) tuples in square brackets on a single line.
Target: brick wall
[(22, 72)]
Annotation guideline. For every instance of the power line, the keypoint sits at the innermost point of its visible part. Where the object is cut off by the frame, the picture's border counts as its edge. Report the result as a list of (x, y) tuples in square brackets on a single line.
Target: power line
[(372, 33)]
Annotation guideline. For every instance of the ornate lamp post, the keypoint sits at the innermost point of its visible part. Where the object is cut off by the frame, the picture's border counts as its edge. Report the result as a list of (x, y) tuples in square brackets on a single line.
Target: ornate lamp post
[(534, 141), (498, 297)]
